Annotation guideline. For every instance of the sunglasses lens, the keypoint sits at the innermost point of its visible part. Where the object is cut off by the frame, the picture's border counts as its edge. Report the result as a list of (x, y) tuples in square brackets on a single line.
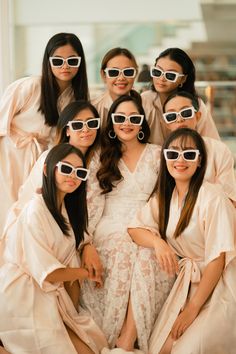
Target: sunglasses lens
[(190, 155), (113, 72), (73, 62), (65, 169), (172, 155), (170, 117), (129, 72), (119, 119), (156, 72), (82, 174), (57, 61), (170, 76), (135, 120), (187, 113), (93, 124), (77, 125)]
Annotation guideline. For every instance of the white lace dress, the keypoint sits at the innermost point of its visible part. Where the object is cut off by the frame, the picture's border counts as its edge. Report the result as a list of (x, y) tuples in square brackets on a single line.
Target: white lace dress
[(129, 271)]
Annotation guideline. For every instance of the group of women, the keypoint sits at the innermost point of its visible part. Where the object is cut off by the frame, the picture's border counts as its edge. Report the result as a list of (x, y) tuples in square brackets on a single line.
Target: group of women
[(118, 219)]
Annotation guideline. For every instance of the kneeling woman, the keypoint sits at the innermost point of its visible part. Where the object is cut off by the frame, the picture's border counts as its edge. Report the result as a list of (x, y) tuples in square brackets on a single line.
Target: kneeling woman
[(39, 286), (191, 226)]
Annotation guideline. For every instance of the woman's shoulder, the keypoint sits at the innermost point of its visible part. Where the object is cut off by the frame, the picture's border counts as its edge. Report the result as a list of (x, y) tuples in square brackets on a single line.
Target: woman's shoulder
[(149, 95), (211, 192), (101, 99)]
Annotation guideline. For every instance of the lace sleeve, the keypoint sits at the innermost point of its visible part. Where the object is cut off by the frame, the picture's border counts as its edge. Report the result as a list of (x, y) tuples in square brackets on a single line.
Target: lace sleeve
[(95, 200)]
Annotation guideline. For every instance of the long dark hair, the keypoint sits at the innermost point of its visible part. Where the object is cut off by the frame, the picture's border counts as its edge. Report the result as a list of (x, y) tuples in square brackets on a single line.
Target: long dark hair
[(49, 86), (75, 202), (182, 58), (111, 149), (114, 52), (165, 182), (68, 114)]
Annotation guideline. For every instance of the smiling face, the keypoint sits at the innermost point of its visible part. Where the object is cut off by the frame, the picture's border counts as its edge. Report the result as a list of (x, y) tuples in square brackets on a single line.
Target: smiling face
[(127, 132), (64, 74), (68, 184), (180, 169), (161, 84), (120, 85), (176, 104), (82, 139)]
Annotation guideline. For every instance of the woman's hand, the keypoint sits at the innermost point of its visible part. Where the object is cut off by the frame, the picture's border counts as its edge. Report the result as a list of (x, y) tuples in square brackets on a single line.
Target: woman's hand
[(166, 258), (91, 261), (184, 320)]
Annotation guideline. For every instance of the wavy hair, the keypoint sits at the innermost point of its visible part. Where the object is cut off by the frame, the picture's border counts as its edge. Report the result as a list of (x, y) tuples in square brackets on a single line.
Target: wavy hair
[(75, 202), (166, 183), (111, 149), (49, 86)]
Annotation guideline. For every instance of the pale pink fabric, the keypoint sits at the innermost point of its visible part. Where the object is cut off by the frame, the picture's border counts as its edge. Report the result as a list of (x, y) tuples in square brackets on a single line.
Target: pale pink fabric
[(210, 232), (128, 269), (34, 311), (153, 109), (102, 103), (23, 136)]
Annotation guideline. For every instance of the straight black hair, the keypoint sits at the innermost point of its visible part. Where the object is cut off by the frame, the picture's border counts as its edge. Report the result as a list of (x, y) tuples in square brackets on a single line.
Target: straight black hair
[(49, 86), (75, 202)]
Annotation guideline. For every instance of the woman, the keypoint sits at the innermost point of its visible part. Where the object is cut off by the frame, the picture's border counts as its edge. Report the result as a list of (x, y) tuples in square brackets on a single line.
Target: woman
[(78, 125), (181, 110), (190, 224), (126, 176), (118, 71), (29, 111), (39, 278), (173, 71)]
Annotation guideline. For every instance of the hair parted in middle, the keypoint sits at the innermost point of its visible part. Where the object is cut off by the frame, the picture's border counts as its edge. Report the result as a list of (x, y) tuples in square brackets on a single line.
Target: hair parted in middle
[(166, 183), (49, 86), (111, 149), (75, 202)]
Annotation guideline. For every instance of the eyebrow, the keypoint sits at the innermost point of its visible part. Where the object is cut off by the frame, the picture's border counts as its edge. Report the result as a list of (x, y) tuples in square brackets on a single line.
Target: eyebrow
[(183, 148)]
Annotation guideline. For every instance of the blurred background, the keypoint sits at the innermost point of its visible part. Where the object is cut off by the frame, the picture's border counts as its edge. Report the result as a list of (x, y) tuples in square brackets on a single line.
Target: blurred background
[(206, 29)]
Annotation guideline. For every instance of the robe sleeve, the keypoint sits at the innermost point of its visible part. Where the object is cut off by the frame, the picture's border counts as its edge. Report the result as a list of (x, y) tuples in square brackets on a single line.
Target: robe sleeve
[(95, 200), (206, 125), (225, 173), (38, 256), (147, 217), (13, 101), (218, 218)]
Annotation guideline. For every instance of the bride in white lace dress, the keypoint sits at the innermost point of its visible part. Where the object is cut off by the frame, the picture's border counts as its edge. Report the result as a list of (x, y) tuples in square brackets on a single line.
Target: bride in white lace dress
[(134, 287)]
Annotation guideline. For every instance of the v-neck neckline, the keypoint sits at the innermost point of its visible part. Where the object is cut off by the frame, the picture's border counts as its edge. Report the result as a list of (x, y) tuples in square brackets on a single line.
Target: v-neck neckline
[(140, 158)]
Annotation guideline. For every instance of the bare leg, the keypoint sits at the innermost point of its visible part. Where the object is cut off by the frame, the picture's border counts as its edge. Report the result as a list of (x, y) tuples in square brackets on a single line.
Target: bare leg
[(128, 334), (166, 349), (79, 345)]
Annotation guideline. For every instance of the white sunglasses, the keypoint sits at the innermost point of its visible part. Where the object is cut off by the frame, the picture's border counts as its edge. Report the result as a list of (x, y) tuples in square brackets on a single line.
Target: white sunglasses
[(77, 125), (171, 76), (185, 113), (188, 155), (66, 169), (135, 119), (57, 62), (115, 72)]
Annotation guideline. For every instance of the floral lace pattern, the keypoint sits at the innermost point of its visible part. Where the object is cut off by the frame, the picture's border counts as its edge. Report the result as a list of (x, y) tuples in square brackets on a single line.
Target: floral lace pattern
[(130, 272)]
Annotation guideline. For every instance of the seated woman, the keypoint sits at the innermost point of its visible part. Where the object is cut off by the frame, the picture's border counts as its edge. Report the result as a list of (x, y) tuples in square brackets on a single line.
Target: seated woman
[(181, 110), (39, 278), (190, 224), (134, 287)]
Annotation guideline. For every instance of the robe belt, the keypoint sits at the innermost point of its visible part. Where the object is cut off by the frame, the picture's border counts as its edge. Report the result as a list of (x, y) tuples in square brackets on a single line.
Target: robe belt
[(23, 138)]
